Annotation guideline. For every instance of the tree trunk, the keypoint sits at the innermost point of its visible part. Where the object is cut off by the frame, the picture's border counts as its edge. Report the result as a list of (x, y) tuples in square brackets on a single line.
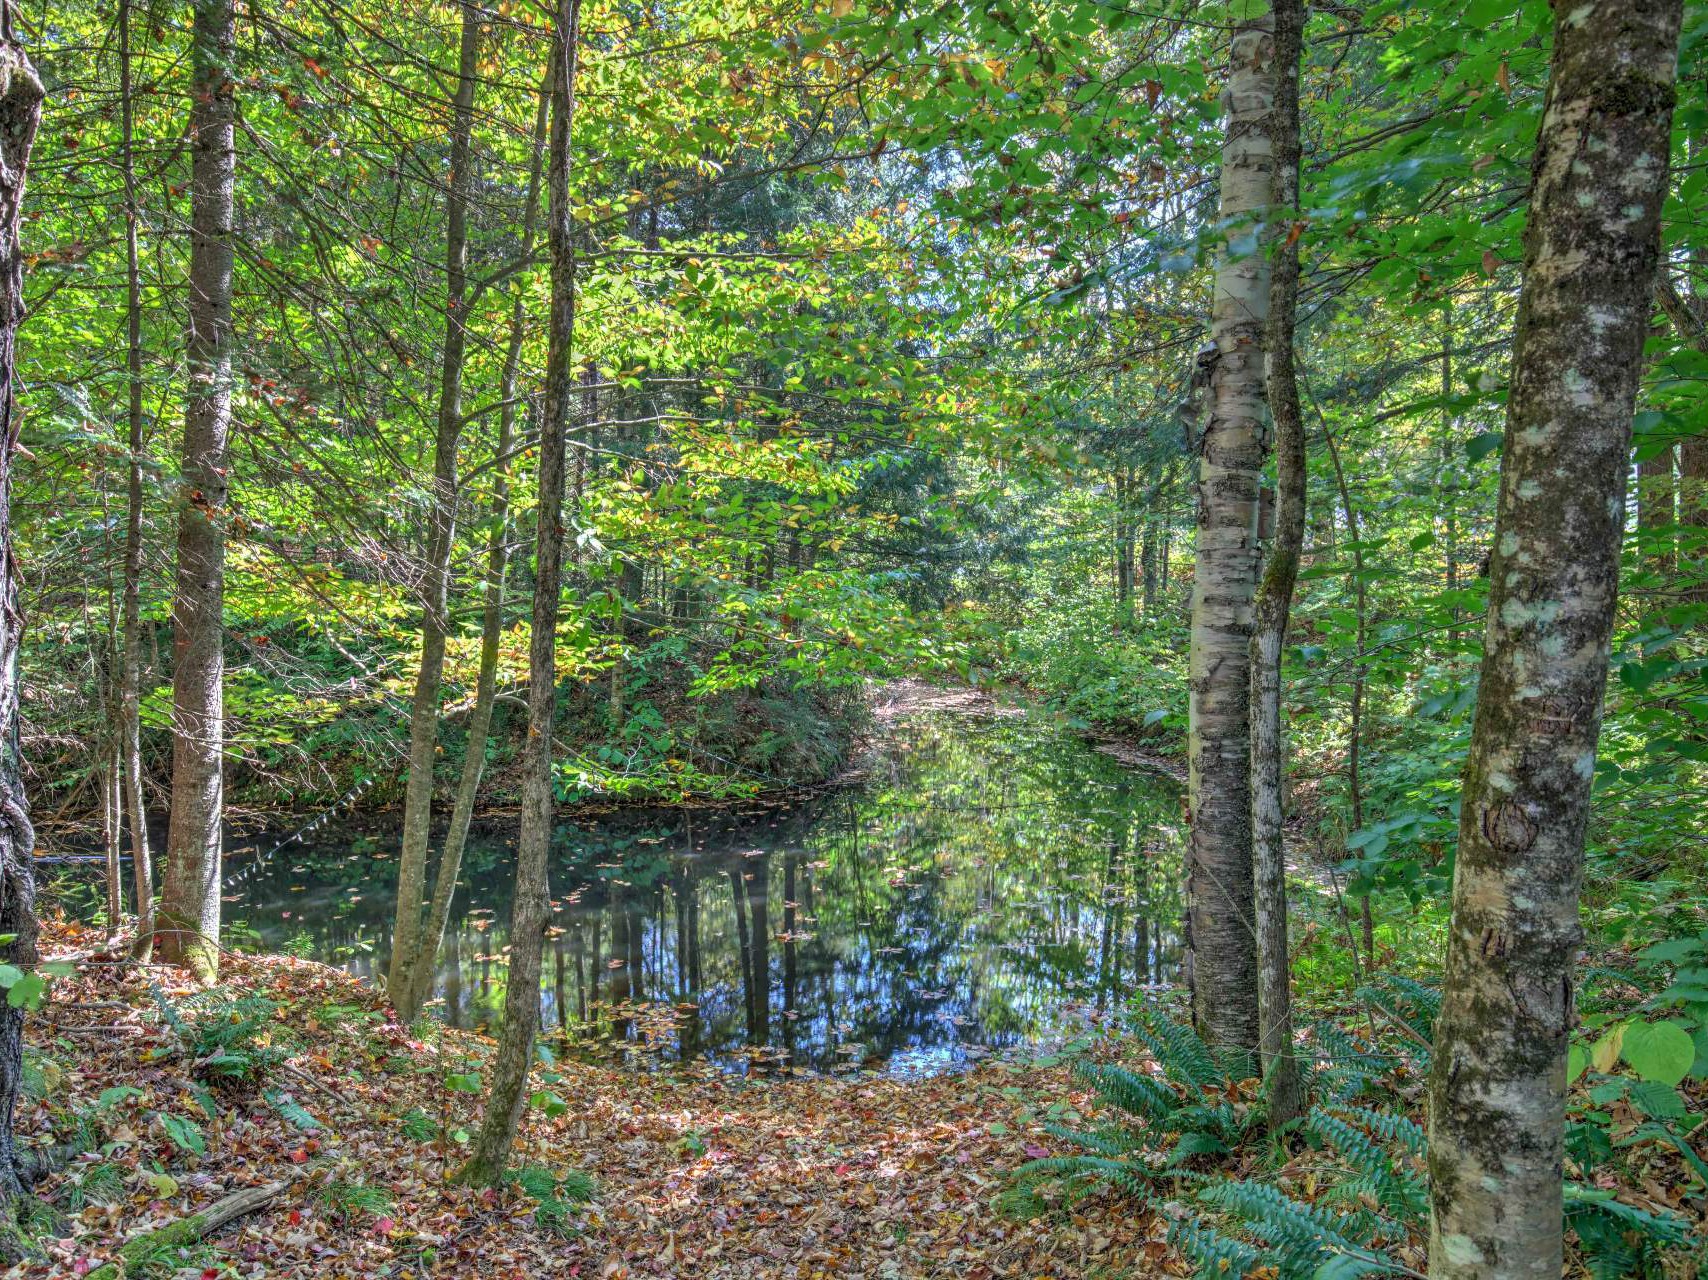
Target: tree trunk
[(441, 530), (1657, 493), (1275, 592), (130, 613), (1218, 881), (531, 912), (20, 113), (188, 916), (1690, 319), (416, 977), (1355, 711), (1497, 1095)]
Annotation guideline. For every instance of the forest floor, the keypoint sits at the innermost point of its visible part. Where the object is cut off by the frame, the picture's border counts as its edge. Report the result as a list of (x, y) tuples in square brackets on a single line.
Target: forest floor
[(697, 1173)]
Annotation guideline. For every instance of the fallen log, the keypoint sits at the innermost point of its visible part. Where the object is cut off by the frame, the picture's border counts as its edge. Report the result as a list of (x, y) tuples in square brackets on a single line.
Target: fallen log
[(138, 1250)]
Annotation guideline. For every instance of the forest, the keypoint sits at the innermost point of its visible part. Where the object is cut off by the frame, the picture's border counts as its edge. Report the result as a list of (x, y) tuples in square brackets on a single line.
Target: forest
[(1055, 639)]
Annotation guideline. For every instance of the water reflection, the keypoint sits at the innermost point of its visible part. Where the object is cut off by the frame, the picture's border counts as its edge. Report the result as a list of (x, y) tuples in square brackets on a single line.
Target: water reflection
[(987, 875)]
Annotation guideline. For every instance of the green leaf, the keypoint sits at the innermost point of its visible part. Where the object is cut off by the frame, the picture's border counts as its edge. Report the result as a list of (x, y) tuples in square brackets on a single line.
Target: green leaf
[(1479, 447), (27, 991), (1658, 1051), (186, 1135)]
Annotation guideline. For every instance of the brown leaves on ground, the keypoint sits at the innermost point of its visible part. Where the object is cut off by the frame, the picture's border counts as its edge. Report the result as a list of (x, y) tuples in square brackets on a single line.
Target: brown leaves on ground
[(699, 1174)]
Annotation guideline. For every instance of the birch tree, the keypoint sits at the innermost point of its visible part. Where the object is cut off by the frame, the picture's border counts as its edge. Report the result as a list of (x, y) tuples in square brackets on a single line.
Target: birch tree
[(1591, 248), (1275, 592), (1219, 872)]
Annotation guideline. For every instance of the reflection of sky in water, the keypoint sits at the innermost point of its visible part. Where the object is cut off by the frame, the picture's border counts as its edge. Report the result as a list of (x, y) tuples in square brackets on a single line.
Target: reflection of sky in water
[(987, 876)]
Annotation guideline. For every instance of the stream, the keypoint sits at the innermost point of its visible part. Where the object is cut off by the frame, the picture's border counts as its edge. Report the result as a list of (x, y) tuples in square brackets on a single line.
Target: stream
[(990, 884)]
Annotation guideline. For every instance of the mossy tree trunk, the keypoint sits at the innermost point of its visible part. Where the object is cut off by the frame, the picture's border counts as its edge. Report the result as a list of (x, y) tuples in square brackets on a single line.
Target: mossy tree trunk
[(1497, 1095), (1223, 960)]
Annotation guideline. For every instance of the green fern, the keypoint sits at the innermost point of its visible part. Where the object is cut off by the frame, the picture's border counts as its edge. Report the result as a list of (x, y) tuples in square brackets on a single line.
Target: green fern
[(559, 1195), (1621, 1241), (347, 1198), (1140, 1096), (1183, 1056), (1294, 1237), (1216, 1254), (1414, 1005), (290, 1109), (1400, 1192)]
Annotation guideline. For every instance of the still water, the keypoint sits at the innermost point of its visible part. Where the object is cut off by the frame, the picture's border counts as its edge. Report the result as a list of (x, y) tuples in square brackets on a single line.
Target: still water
[(990, 882)]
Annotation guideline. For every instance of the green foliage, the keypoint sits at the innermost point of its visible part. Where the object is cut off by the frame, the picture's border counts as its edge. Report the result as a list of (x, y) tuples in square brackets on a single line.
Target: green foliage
[(293, 1111), (102, 1183), (1158, 1132), (418, 1126), (560, 1194), (349, 1198), (230, 1038)]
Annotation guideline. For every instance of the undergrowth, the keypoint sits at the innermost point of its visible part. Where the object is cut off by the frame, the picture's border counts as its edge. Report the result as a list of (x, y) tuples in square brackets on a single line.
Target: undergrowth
[(1187, 1134)]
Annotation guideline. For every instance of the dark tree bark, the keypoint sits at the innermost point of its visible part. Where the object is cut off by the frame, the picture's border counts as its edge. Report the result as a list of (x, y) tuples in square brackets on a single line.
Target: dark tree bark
[(1591, 247), (1275, 591), (531, 912), (188, 916)]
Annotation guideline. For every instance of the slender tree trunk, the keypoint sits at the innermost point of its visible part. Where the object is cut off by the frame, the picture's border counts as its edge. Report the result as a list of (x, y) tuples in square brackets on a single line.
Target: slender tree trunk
[(1690, 319), (1497, 1095), (1450, 486), (1219, 873), (416, 981), (112, 833), (1275, 592), (20, 113), (1657, 494), (188, 916), (1355, 712), (532, 909), (130, 612), (442, 527)]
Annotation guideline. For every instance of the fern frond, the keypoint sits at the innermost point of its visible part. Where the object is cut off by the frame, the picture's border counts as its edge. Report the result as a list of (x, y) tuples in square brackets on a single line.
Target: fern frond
[(1301, 1233), (1141, 1096), (1128, 1177), (1215, 1253), (1105, 1142), (1183, 1056)]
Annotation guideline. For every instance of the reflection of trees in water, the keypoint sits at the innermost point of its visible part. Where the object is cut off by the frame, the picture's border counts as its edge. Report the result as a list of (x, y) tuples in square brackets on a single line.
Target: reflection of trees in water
[(981, 876)]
